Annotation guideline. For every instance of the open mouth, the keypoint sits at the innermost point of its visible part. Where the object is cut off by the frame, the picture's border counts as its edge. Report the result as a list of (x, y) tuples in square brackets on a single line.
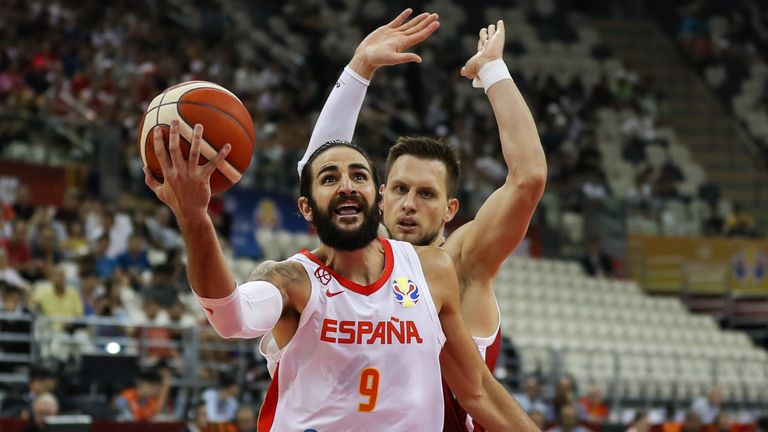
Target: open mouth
[(348, 208), (406, 224)]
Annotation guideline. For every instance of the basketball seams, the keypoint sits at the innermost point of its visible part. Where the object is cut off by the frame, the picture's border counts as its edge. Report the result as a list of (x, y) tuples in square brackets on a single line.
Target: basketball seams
[(213, 108)]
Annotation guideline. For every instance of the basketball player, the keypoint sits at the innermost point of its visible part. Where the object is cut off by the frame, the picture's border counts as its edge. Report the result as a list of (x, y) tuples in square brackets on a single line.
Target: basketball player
[(365, 326), (419, 196)]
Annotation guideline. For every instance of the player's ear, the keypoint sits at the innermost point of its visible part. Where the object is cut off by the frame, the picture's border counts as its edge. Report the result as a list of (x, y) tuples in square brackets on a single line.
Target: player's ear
[(305, 208), (382, 188), (451, 210)]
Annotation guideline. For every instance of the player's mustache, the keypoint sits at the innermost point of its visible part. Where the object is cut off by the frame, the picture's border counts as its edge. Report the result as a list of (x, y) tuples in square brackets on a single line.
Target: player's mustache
[(361, 202)]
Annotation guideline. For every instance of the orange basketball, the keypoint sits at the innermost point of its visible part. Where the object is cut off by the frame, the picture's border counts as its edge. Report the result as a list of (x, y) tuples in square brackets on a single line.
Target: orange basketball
[(224, 118)]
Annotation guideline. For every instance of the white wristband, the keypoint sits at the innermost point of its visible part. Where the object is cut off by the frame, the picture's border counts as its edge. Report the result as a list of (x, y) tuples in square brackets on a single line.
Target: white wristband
[(491, 73)]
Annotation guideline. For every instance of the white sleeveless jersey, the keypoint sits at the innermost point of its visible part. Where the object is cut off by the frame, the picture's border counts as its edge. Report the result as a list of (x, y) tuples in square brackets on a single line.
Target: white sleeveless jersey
[(364, 358)]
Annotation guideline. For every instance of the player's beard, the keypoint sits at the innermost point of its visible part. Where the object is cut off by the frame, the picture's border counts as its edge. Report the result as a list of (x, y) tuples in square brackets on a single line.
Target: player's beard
[(344, 239)]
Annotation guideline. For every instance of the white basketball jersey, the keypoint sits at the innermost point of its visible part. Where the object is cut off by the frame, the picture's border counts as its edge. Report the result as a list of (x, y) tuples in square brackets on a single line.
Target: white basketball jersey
[(364, 358)]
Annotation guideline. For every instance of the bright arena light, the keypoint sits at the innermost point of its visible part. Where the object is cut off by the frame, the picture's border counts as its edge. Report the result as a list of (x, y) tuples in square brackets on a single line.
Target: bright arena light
[(113, 347)]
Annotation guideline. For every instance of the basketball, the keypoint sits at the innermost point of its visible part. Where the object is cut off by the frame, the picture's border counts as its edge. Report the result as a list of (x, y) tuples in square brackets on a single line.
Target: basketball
[(224, 118)]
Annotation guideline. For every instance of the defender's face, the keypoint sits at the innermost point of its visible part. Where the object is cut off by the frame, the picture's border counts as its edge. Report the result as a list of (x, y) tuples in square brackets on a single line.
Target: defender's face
[(415, 200)]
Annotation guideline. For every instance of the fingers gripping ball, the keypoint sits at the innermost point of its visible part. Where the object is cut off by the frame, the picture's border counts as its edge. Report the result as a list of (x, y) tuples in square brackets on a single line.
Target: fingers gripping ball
[(224, 118)]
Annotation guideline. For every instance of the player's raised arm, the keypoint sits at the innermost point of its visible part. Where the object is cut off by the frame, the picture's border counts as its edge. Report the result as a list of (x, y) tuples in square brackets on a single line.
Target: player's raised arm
[(509, 209), (249, 310), (385, 46), (469, 379)]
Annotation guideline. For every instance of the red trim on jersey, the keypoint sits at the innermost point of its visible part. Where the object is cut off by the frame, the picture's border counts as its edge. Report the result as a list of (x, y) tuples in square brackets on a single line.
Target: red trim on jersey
[(366, 290), (455, 416), (269, 407)]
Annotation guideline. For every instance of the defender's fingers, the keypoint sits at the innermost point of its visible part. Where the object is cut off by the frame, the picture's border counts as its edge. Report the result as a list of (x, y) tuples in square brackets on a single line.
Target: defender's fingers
[(484, 34), (422, 24), (423, 34), (400, 19), (216, 160), (491, 30), (413, 22)]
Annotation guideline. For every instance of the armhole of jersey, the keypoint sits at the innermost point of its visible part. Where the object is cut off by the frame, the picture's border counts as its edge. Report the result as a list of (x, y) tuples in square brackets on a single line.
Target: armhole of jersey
[(487, 341), (410, 250), (314, 291), (268, 345)]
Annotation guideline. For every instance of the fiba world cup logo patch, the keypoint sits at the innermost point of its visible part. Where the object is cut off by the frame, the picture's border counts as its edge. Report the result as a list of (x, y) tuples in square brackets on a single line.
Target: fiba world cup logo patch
[(406, 292)]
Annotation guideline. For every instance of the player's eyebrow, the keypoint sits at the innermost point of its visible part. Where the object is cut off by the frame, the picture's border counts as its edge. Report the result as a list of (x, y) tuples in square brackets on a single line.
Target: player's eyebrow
[(326, 169), (359, 166)]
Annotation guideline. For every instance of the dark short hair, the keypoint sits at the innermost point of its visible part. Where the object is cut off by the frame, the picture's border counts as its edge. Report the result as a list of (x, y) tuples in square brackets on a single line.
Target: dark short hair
[(430, 149), (150, 376), (305, 182), (41, 373)]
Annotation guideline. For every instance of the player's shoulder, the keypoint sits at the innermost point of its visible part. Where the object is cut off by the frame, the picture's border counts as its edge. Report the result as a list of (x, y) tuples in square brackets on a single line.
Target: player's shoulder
[(284, 273), (435, 257)]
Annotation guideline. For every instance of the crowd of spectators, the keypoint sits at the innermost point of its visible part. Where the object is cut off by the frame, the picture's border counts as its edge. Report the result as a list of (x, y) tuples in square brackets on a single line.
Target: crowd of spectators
[(88, 66)]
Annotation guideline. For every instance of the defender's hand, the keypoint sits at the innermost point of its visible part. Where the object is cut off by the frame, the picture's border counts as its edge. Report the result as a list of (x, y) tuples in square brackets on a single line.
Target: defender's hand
[(386, 45), (490, 47)]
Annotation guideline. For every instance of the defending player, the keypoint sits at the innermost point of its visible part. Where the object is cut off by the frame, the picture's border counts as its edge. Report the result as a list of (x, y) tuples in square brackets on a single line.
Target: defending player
[(419, 196), (361, 322)]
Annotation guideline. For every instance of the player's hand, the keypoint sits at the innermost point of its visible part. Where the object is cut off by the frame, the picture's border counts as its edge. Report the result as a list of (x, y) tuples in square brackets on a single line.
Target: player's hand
[(186, 186), (386, 45), (490, 47)]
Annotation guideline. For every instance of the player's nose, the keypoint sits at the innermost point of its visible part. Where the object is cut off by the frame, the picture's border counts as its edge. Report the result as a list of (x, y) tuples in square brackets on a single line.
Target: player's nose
[(409, 202), (347, 186)]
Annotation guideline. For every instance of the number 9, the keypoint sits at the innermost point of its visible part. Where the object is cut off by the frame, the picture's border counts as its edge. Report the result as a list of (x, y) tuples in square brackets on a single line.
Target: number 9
[(369, 387)]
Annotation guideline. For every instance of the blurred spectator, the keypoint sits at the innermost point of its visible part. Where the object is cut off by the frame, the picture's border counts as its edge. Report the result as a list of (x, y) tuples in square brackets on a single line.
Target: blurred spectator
[(221, 403), (55, 298), (740, 222), (596, 262), (17, 246), (593, 409), (568, 421), (692, 422), (197, 419), (46, 252), (162, 231), (9, 274), (565, 394), (762, 424), (43, 407), (708, 407), (147, 400), (722, 423), (75, 244), (537, 417), (105, 265), (641, 423), (21, 207), (245, 419), (531, 399), (134, 260), (17, 321), (41, 381)]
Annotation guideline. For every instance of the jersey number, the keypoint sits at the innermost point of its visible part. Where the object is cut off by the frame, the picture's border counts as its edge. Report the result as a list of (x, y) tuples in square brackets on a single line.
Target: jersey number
[(369, 387)]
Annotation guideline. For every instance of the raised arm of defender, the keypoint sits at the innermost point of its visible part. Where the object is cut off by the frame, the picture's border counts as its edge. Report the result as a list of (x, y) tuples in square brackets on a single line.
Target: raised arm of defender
[(383, 47), (470, 380), (510, 208)]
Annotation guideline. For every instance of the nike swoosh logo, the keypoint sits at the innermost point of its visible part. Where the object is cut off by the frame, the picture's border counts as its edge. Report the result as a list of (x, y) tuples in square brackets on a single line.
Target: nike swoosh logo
[(328, 293)]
